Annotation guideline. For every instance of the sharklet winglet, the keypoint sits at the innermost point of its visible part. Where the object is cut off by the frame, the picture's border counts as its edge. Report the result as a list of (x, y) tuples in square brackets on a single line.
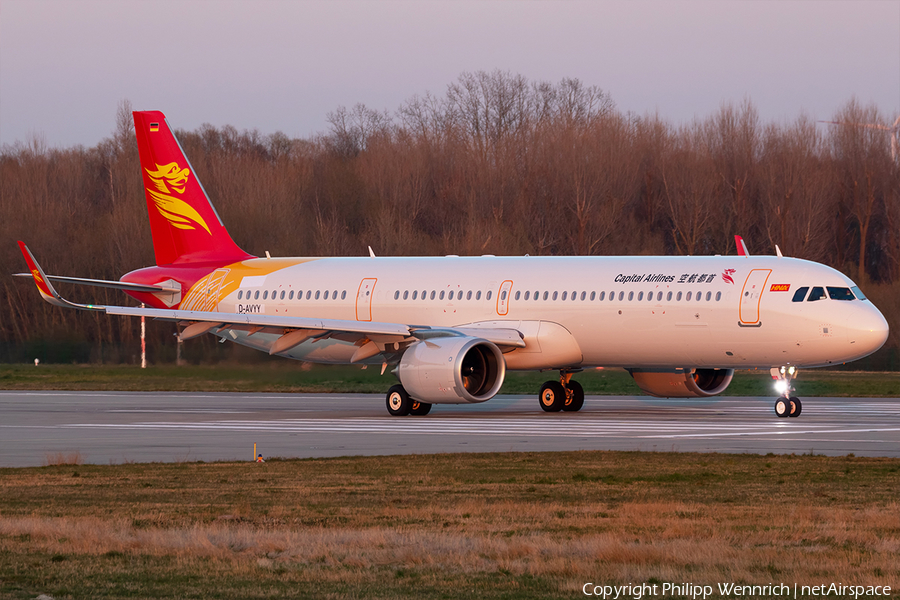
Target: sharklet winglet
[(48, 292)]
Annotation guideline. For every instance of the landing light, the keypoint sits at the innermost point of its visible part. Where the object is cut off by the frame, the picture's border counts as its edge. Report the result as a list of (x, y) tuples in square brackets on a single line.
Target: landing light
[(781, 386)]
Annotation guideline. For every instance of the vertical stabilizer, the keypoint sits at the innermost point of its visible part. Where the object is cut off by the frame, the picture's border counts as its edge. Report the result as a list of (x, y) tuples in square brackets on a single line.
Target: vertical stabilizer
[(184, 225)]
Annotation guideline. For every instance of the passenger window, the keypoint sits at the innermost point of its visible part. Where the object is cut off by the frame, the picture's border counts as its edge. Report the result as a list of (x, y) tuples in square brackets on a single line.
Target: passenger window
[(817, 293), (396, 295), (469, 295), (574, 295), (840, 293), (583, 296), (291, 295), (659, 297), (478, 295), (308, 294), (678, 297), (650, 296), (450, 296), (274, 294), (432, 294), (699, 296), (317, 294), (800, 294), (334, 295), (630, 296), (688, 297), (415, 294), (256, 295), (503, 295), (669, 297), (240, 294), (489, 294), (640, 296), (344, 294), (563, 296), (266, 295), (718, 296), (326, 294), (546, 294), (441, 295), (527, 295), (602, 296), (708, 296), (517, 294), (858, 292), (621, 296), (405, 295), (594, 295), (281, 297)]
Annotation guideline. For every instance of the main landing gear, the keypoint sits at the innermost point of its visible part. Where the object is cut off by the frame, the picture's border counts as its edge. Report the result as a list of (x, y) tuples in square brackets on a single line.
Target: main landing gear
[(564, 394), (786, 405), (399, 404)]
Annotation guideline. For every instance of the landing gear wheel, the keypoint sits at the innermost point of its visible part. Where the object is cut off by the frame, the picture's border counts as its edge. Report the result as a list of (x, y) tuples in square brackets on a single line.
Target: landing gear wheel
[(575, 399), (419, 409), (782, 407), (553, 396), (398, 401), (796, 407)]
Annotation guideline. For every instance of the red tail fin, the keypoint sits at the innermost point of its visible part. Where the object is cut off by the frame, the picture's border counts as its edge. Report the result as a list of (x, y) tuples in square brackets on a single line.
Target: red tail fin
[(184, 225)]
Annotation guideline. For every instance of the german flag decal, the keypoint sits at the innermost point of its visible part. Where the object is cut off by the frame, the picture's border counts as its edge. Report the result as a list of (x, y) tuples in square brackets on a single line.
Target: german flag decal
[(780, 287), (154, 127)]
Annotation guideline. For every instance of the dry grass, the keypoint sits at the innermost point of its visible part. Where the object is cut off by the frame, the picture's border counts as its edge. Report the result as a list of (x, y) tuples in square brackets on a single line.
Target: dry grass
[(516, 525), (57, 459)]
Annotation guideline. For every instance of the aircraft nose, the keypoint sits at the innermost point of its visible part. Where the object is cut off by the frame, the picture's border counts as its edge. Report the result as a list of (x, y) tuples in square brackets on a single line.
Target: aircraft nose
[(868, 331)]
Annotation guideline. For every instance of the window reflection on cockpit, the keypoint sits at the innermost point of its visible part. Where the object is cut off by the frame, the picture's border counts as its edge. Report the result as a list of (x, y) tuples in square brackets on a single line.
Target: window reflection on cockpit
[(817, 293), (840, 293)]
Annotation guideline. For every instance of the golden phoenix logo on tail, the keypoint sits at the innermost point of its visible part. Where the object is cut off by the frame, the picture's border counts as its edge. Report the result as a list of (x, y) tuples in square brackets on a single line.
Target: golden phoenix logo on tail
[(172, 178)]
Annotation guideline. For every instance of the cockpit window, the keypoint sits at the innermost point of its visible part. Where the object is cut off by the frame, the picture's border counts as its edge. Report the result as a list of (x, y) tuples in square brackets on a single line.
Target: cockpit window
[(800, 294), (840, 293), (858, 293), (817, 293)]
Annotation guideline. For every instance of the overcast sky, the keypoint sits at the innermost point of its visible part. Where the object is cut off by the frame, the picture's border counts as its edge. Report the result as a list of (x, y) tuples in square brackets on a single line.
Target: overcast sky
[(278, 65)]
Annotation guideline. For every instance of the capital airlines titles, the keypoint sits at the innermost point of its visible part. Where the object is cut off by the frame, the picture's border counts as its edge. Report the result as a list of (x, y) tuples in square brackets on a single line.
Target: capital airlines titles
[(660, 278)]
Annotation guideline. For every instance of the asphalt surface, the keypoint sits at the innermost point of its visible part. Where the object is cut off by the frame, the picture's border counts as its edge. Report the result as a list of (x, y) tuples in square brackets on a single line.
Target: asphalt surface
[(117, 427)]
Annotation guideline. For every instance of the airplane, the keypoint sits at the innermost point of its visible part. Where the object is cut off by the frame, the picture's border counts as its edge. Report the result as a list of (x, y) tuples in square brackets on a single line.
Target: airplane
[(449, 327)]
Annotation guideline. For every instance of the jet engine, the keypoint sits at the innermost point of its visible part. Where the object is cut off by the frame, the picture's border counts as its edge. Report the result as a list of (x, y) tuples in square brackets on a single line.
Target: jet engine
[(683, 383), (452, 370)]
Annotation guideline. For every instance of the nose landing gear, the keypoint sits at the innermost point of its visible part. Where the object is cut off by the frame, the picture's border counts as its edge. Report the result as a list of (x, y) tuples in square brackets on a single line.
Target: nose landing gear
[(786, 405), (565, 394)]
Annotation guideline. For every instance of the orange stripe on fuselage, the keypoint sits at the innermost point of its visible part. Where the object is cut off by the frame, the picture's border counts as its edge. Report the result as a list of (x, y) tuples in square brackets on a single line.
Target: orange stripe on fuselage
[(217, 284)]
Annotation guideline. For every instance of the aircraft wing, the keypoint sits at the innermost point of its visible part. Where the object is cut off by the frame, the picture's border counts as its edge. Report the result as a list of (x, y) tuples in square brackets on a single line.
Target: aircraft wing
[(116, 285), (371, 337)]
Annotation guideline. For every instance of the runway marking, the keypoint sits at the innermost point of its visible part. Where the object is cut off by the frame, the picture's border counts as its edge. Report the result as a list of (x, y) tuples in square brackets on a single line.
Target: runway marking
[(534, 427)]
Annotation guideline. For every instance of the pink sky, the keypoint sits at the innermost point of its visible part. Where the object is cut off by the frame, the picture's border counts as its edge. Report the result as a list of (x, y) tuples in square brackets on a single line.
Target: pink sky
[(282, 65)]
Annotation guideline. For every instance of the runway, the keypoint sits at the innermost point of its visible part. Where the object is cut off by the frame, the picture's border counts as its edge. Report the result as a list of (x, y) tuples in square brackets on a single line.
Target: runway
[(116, 427)]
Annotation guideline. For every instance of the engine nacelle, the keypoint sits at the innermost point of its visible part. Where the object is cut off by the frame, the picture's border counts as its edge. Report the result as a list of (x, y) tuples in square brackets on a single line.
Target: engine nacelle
[(683, 383), (452, 370)]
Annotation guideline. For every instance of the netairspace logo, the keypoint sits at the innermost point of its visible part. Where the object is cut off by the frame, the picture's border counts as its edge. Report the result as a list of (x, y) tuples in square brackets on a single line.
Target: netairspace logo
[(697, 592)]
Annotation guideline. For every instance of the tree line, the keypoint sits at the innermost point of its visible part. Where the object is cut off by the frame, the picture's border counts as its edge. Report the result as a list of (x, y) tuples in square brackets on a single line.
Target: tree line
[(498, 164)]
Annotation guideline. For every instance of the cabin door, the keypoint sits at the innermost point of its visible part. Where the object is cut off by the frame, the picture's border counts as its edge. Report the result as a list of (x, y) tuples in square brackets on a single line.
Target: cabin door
[(751, 296)]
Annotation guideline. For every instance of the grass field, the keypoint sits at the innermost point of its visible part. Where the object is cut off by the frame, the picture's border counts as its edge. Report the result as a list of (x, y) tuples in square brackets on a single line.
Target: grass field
[(446, 526), (287, 376)]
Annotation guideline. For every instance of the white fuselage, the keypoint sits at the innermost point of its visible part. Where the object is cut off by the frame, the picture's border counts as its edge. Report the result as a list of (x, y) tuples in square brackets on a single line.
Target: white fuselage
[(650, 312)]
